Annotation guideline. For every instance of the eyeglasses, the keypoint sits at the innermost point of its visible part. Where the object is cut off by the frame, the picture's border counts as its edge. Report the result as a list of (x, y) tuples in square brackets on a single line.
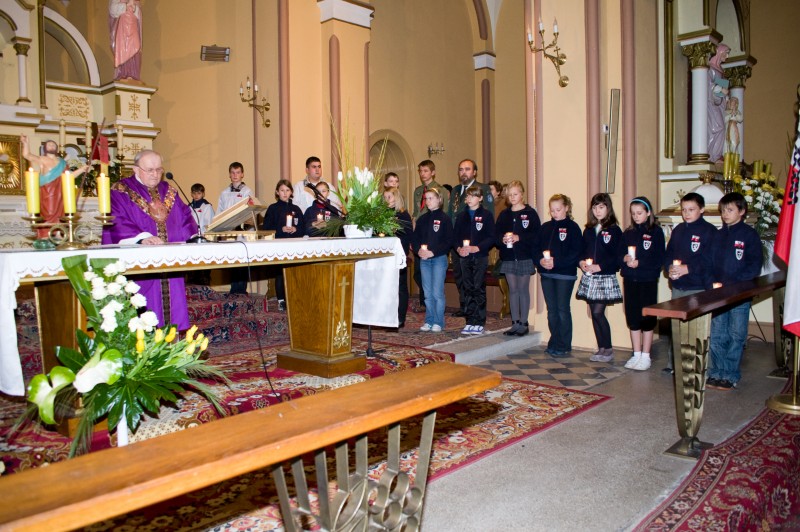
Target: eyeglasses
[(151, 171)]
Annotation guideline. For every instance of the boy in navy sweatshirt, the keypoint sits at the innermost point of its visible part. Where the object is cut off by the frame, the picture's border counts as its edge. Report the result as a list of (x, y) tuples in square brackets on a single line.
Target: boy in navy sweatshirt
[(474, 235), (737, 257), (689, 251)]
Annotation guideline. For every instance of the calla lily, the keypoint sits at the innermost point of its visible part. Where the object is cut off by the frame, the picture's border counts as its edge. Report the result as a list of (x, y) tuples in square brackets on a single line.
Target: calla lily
[(190, 333), (43, 394), (105, 368)]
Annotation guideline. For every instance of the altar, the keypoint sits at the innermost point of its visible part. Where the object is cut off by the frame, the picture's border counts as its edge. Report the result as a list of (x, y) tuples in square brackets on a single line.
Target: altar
[(365, 270)]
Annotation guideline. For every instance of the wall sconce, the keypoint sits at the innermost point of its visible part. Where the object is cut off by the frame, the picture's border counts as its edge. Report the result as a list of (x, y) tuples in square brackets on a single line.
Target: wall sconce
[(215, 53), (557, 57), (252, 101), (435, 149)]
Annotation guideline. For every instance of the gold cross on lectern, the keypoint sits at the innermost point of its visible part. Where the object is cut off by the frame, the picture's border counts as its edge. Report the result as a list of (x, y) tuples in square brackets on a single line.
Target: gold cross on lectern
[(343, 284)]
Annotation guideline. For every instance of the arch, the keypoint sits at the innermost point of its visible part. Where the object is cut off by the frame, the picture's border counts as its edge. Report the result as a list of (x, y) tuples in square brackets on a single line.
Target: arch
[(729, 22), (397, 158), (74, 43)]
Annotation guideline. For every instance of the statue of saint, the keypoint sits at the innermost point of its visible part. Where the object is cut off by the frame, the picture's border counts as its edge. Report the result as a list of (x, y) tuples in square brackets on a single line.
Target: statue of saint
[(733, 117), (125, 27), (717, 102)]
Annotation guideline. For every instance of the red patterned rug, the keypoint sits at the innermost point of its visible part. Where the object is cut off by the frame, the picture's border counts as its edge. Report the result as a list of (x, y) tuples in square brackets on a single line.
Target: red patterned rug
[(749, 482)]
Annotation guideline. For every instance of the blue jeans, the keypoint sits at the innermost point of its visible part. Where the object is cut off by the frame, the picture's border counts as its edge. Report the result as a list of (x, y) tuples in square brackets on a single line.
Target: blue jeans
[(557, 296), (726, 345), (433, 271)]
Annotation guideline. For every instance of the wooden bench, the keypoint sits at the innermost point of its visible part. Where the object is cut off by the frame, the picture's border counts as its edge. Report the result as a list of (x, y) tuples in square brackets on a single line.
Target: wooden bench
[(97, 486), (691, 324)]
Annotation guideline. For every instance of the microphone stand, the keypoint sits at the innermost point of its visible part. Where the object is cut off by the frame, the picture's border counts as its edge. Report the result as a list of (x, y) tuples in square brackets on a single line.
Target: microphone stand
[(198, 238)]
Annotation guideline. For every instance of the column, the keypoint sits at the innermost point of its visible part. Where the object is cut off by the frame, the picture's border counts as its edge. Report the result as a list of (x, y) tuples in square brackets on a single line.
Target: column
[(484, 79), (737, 74), (698, 54), (21, 46)]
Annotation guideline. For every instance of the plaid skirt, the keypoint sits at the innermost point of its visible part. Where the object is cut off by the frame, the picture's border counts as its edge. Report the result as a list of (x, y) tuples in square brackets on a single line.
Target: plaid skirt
[(600, 288), (517, 267)]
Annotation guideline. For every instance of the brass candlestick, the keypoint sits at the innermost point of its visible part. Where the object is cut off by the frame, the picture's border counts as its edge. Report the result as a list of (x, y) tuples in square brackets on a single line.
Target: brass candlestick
[(66, 235), (558, 58)]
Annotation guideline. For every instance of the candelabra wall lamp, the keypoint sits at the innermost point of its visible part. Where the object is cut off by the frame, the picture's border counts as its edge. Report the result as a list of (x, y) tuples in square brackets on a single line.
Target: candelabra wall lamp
[(435, 149), (556, 57), (262, 107)]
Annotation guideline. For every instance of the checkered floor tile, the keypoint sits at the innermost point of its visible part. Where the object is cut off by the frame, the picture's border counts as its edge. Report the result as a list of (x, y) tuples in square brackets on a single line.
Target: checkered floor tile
[(576, 372)]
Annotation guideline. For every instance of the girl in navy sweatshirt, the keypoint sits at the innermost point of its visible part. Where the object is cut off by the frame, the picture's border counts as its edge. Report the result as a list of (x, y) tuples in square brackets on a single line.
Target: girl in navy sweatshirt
[(644, 248), (395, 200), (561, 245), (286, 219), (516, 230), (603, 245), (433, 238)]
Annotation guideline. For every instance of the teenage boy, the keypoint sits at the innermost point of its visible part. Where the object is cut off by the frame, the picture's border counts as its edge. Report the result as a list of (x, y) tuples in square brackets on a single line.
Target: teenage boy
[(737, 257), (427, 174), (689, 251), (474, 233), (237, 190)]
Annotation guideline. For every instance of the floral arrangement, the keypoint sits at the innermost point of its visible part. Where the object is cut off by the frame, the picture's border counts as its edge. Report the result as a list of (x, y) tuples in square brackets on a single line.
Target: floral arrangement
[(128, 367), (763, 197)]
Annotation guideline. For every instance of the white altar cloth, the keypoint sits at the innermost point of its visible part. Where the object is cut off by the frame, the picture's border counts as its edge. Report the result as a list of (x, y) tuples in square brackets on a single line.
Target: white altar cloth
[(375, 291)]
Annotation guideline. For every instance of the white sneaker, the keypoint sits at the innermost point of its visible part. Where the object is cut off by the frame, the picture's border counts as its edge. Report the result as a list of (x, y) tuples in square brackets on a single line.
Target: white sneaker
[(477, 330), (436, 328), (467, 329), (631, 363), (643, 364), (427, 327)]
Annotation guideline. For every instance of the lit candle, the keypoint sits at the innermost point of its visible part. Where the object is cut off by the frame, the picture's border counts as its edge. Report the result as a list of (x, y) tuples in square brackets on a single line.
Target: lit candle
[(555, 25), (589, 262), (32, 190), (62, 133), (716, 285), (509, 240), (120, 139), (546, 254), (541, 26), (423, 247), (289, 220), (676, 262), (320, 217), (530, 37), (68, 192), (104, 194), (466, 243), (632, 252), (241, 90)]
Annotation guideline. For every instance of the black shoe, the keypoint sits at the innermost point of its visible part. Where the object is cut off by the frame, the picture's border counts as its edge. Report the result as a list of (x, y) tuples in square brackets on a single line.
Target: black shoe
[(722, 384), (401, 325), (711, 382), (522, 330), (458, 314), (513, 330), (281, 305), (559, 354)]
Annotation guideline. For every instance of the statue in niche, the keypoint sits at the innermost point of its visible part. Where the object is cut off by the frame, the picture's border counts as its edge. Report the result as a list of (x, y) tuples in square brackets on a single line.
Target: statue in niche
[(125, 27), (733, 117), (717, 103)]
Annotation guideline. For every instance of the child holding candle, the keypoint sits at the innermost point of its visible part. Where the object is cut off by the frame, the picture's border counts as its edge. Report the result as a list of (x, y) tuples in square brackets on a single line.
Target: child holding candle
[(689, 251), (285, 219), (395, 200), (432, 240), (603, 249), (201, 206), (474, 230), (320, 212), (644, 241), (562, 244), (515, 237), (737, 257)]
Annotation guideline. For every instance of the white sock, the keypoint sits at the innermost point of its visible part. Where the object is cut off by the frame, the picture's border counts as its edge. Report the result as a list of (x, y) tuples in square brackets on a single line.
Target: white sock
[(637, 354), (645, 356)]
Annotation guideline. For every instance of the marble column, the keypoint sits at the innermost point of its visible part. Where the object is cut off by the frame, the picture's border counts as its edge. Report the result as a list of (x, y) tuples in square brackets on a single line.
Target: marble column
[(22, 69), (737, 75), (698, 54)]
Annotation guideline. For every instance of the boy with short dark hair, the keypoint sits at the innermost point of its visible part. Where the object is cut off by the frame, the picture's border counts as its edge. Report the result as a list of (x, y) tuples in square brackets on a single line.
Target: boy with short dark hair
[(201, 206), (737, 257), (688, 258), (474, 234)]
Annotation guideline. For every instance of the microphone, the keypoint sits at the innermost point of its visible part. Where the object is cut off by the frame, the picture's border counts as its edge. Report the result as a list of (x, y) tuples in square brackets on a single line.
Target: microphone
[(198, 238)]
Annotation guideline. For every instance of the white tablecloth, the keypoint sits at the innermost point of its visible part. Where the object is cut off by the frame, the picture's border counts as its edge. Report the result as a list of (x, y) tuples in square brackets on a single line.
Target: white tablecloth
[(375, 292)]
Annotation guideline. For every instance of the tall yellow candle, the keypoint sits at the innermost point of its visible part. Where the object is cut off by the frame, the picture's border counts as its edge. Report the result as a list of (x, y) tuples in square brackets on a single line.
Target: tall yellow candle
[(32, 190), (68, 192), (104, 194)]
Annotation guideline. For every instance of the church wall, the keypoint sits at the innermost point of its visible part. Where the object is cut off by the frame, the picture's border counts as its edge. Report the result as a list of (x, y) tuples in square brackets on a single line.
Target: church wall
[(647, 120)]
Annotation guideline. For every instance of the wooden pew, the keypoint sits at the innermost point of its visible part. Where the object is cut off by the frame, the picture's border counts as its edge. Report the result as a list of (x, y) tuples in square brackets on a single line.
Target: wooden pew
[(104, 484), (691, 323)]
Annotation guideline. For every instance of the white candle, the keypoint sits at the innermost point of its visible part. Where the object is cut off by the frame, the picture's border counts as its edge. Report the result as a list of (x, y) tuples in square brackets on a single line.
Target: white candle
[(716, 285), (62, 133), (88, 141), (466, 243), (676, 262), (546, 254), (555, 25), (423, 247), (509, 240), (589, 262), (530, 37), (320, 217), (32, 191), (541, 26), (632, 252), (289, 220), (241, 90)]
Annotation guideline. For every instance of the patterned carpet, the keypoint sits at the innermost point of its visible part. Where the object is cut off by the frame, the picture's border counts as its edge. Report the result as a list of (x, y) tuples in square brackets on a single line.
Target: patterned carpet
[(750, 482)]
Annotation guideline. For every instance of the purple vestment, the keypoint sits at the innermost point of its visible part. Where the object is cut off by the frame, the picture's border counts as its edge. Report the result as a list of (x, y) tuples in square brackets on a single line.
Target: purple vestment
[(132, 219)]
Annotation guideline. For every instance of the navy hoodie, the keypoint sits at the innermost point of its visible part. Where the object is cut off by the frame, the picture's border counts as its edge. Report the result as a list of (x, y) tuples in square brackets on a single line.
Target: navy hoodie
[(327, 211), (650, 252), (478, 229), (604, 248), (563, 239), (435, 230), (693, 245), (523, 223), (275, 219), (404, 233), (737, 254)]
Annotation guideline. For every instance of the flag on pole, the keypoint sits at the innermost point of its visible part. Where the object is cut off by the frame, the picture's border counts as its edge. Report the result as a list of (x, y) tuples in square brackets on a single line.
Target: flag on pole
[(787, 242)]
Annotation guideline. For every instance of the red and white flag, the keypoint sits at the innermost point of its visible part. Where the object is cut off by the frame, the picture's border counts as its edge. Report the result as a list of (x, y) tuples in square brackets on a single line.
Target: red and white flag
[(787, 242)]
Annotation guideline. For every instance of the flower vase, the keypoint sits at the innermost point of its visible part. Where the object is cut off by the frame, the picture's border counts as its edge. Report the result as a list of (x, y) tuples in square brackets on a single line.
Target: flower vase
[(122, 429), (352, 231)]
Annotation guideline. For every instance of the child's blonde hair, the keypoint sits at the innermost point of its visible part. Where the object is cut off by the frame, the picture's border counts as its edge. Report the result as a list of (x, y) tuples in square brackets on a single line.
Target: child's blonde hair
[(399, 202), (563, 198)]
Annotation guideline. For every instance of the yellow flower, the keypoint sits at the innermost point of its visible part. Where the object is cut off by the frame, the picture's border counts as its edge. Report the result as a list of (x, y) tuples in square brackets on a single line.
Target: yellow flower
[(171, 335), (190, 348), (199, 338), (190, 333), (140, 334), (140, 345), (204, 345), (159, 336)]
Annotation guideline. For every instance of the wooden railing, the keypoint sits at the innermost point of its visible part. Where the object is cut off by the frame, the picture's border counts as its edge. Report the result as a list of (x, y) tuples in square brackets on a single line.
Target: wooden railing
[(691, 322), (97, 486)]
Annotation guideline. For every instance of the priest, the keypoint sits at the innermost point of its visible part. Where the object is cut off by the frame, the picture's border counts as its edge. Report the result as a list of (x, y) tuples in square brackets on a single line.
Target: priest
[(148, 211)]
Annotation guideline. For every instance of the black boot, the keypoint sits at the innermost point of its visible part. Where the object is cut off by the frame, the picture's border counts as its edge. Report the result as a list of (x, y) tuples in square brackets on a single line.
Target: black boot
[(513, 330), (522, 329)]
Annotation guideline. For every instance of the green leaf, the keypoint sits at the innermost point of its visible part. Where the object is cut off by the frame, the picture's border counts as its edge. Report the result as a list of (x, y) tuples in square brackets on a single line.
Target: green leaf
[(71, 358), (75, 266)]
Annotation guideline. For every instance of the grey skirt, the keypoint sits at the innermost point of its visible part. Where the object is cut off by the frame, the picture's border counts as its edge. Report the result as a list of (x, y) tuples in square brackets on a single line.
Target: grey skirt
[(600, 288), (517, 267)]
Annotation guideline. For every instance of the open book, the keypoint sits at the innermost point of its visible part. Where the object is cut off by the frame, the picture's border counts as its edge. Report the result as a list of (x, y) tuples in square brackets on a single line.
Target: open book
[(242, 212)]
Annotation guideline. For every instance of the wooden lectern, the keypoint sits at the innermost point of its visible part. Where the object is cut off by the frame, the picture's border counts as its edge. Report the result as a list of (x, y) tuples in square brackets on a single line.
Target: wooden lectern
[(320, 311)]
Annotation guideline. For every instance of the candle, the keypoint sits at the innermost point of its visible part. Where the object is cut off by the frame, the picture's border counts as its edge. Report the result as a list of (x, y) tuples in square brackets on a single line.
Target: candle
[(423, 247), (466, 243), (530, 37), (509, 240), (320, 217), (589, 262), (241, 90), (546, 254), (255, 88), (289, 220), (555, 25), (632, 252), (88, 140), (676, 262), (120, 138), (104, 194), (768, 169), (541, 26), (248, 84), (32, 190), (716, 285), (68, 192), (62, 133)]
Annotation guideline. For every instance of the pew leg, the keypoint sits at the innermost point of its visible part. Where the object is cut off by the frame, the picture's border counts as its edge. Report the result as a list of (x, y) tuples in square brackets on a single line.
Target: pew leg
[(690, 358), (503, 284)]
